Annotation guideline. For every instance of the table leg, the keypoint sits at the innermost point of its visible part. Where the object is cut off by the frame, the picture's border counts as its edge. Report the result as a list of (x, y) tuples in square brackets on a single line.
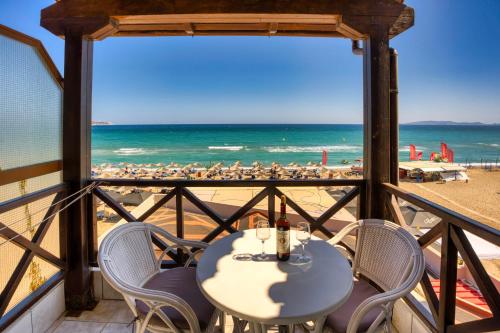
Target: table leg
[(257, 327), (285, 329)]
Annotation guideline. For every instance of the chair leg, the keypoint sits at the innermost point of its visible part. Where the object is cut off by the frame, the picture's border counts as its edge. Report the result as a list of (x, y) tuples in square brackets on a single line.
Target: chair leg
[(222, 321), (239, 325)]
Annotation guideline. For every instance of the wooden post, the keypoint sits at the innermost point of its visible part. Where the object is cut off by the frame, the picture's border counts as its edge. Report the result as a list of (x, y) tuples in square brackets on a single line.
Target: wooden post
[(394, 116), (448, 279), (179, 216), (377, 143), (76, 165)]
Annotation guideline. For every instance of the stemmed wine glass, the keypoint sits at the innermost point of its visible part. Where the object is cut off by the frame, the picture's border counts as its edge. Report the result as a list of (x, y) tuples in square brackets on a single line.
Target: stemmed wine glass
[(303, 235), (263, 233)]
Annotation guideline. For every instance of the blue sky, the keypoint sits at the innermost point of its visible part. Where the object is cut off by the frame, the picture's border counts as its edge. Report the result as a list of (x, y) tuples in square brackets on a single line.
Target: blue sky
[(449, 69)]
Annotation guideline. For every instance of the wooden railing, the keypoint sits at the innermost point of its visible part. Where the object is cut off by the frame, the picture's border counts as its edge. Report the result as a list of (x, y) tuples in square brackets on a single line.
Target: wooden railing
[(453, 241), (179, 189), (32, 247)]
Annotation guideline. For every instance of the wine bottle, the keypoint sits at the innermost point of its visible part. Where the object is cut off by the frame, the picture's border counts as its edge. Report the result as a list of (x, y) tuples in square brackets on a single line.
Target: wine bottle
[(283, 233)]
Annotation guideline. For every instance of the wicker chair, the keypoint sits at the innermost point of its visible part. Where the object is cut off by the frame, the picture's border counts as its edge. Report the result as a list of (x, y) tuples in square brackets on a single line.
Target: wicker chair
[(161, 301), (387, 256)]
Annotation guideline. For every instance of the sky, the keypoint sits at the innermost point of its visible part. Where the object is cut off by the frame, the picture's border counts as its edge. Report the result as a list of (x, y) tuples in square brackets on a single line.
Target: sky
[(449, 69)]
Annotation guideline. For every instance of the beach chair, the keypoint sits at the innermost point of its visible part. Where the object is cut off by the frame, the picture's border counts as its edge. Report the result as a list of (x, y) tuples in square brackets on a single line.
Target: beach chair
[(161, 300), (387, 256)]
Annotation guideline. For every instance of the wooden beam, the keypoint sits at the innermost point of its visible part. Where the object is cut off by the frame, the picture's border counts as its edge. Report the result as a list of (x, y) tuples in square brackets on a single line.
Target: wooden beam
[(482, 325), (95, 15), (203, 206), (484, 231), (32, 249), (431, 236), (114, 205), (271, 206), (396, 211), (430, 296), (377, 144), (76, 164), (394, 118), (447, 280), (31, 197), (167, 33), (476, 268), (227, 183), (157, 206), (26, 172)]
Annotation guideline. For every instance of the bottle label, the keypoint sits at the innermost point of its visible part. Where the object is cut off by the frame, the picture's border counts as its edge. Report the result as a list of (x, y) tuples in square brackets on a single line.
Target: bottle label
[(283, 241)]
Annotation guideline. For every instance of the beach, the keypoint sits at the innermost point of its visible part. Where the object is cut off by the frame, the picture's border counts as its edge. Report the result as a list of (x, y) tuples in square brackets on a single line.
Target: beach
[(478, 199)]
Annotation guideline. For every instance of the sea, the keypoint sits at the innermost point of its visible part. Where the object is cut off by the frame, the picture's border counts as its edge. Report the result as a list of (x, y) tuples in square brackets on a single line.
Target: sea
[(284, 144)]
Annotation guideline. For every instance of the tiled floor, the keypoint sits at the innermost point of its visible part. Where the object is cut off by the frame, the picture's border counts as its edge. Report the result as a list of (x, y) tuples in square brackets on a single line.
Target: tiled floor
[(110, 316), (107, 317)]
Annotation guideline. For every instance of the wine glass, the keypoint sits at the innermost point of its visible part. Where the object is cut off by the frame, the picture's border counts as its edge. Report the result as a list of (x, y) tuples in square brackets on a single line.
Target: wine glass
[(263, 233), (303, 235)]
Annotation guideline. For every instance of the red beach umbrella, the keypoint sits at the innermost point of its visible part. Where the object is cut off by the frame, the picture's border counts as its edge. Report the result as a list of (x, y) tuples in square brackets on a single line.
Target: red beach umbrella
[(444, 150), (451, 155), (413, 153), (324, 160)]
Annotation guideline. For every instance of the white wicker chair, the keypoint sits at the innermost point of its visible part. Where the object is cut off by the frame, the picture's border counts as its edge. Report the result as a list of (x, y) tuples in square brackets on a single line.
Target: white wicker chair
[(128, 263), (386, 255)]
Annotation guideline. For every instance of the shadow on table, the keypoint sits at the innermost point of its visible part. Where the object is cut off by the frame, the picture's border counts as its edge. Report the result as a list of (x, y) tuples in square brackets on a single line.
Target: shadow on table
[(309, 290)]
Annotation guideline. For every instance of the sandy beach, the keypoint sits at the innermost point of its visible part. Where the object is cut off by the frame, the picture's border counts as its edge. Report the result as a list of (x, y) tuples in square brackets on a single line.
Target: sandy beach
[(478, 199)]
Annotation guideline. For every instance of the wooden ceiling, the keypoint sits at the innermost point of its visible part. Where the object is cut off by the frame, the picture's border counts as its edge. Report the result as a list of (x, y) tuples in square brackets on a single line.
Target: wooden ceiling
[(99, 19)]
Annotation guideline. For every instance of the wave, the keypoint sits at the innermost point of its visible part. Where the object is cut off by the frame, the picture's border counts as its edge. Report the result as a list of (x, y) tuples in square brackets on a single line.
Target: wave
[(313, 149), (137, 151), (495, 145), (407, 148), (231, 148)]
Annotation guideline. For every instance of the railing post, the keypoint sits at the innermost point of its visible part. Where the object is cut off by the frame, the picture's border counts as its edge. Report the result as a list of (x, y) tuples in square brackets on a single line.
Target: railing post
[(361, 205), (179, 215), (92, 227), (77, 103), (448, 279), (271, 205)]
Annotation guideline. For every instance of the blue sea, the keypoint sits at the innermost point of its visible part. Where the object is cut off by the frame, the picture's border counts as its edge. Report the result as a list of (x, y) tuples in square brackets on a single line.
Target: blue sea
[(284, 144)]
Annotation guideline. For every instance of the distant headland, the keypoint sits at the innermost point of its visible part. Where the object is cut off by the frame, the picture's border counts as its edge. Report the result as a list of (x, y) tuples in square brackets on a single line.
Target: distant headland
[(448, 123), (101, 123)]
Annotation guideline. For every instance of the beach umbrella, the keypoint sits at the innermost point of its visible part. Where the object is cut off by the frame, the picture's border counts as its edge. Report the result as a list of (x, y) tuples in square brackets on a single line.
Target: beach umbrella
[(135, 198), (308, 173), (418, 218), (283, 172)]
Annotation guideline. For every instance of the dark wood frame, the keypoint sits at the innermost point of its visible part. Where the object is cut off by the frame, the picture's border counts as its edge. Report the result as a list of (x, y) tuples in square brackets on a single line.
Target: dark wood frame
[(180, 189), (32, 248), (453, 241)]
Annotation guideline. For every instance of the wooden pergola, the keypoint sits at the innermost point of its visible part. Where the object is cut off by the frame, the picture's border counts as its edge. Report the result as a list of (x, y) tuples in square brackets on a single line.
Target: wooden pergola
[(81, 22)]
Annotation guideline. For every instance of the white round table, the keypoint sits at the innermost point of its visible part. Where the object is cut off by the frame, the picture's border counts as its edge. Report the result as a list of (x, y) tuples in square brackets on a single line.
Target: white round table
[(272, 292)]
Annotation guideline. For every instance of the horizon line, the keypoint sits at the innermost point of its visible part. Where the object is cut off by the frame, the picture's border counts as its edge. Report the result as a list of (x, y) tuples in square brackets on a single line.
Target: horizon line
[(465, 123)]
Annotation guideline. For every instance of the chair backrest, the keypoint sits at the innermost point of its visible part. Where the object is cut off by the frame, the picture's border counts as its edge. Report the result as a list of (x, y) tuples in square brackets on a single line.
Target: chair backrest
[(126, 256), (386, 253)]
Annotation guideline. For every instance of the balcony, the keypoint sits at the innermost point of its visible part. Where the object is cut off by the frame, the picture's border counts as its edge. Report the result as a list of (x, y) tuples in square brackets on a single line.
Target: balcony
[(51, 280)]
